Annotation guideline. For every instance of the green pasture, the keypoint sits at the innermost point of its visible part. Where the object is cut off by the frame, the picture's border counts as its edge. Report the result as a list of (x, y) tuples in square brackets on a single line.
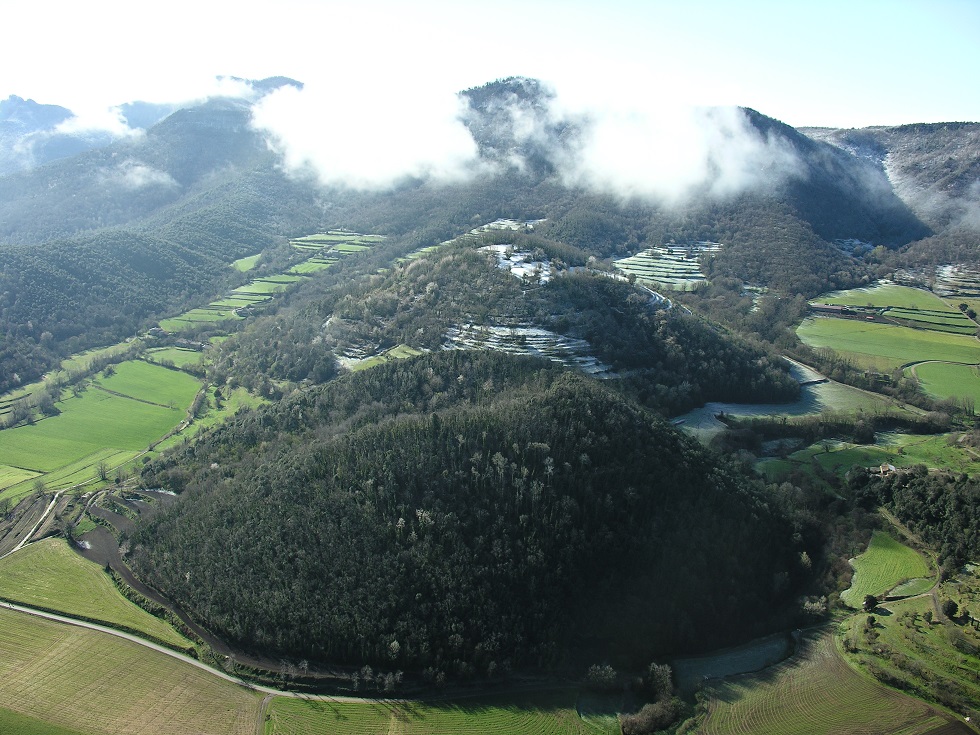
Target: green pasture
[(180, 356), (10, 476), (347, 247), (939, 657), (399, 352), (49, 574), (815, 692), (901, 450), (265, 286), (82, 472), (147, 401), (886, 294), (310, 266), (551, 713), (886, 563), (917, 586), (77, 679), (943, 380), (247, 263), (197, 316), (143, 381), (886, 346), (951, 321)]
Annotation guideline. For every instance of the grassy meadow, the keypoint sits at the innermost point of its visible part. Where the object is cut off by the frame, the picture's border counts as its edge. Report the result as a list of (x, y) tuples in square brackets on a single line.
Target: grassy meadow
[(886, 346), (943, 380), (112, 420), (244, 265), (180, 357), (77, 680), (886, 294), (884, 565), (537, 714), (917, 646), (901, 450), (49, 574)]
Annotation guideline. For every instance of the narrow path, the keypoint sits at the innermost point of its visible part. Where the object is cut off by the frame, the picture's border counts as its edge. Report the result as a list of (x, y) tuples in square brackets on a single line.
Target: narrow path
[(181, 657), (263, 708), (44, 516)]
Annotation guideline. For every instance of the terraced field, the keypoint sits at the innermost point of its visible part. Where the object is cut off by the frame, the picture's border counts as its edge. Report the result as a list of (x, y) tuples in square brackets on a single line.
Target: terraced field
[(50, 575), (885, 564), (673, 266), (522, 339), (542, 714), (323, 250), (816, 693), (49, 674)]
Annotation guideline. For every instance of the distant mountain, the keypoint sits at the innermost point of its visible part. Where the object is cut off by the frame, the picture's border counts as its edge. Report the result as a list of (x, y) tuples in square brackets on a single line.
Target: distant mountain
[(205, 180), (30, 135), (934, 168)]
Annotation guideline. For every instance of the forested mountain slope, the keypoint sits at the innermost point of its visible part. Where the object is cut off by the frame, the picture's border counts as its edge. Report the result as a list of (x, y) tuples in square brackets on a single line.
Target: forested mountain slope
[(534, 519)]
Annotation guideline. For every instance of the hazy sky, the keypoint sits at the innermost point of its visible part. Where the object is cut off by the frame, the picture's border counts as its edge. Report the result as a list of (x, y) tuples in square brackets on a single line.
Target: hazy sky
[(840, 64)]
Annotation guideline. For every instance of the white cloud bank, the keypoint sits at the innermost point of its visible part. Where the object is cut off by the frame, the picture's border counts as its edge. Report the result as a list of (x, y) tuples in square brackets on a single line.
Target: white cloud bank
[(361, 137), (369, 138)]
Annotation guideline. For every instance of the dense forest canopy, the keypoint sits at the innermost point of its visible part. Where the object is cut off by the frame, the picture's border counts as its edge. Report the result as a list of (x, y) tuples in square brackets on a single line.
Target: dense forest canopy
[(534, 519)]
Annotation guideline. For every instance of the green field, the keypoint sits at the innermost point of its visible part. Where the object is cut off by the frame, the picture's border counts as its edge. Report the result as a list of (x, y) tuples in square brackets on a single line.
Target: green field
[(943, 380), (179, 356), (233, 400), (398, 352), (887, 294), (886, 346), (901, 450), (112, 420), (247, 263), (915, 643), (885, 564), (91, 682), (814, 693), (145, 382), (48, 574), (540, 714)]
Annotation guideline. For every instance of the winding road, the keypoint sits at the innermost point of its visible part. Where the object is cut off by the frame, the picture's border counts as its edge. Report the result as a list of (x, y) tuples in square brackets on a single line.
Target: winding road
[(180, 656)]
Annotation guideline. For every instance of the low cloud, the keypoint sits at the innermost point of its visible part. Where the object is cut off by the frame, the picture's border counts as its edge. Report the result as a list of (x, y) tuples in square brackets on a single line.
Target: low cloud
[(370, 138), (361, 137), (134, 175), (668, 151)]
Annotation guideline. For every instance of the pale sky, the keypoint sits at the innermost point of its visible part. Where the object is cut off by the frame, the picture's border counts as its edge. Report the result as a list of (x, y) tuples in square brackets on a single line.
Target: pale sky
[(832, 63)]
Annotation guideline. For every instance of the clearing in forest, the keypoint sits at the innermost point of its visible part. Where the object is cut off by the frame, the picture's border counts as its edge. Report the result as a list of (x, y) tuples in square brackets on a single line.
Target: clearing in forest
[(885, 564)]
